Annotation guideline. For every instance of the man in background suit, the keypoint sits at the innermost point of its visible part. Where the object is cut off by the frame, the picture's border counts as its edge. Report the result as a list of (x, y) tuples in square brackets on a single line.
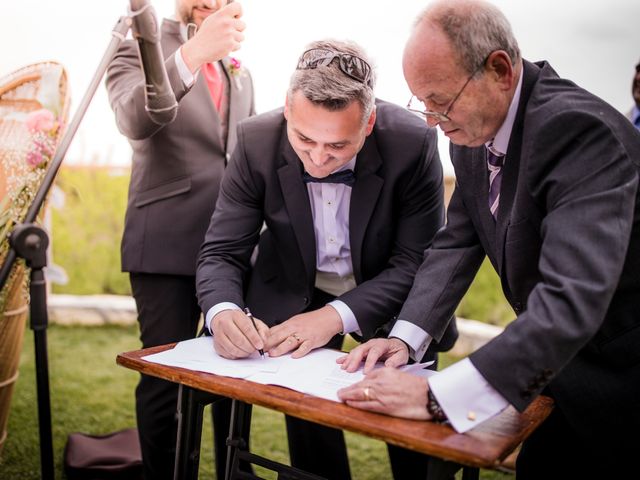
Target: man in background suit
[(176, 172), (634, 113), (350, 191), (547, 187)]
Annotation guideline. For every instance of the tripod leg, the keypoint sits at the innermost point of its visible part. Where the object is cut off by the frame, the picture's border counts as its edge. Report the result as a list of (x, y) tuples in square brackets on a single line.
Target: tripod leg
[(39, 322)]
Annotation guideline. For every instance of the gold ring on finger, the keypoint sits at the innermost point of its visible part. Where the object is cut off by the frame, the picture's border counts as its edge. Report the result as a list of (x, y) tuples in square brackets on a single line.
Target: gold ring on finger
[(366, 393)]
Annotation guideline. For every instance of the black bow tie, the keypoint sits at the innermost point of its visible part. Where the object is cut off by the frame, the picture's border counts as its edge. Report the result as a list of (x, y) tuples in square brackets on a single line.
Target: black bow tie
[(343, 176)]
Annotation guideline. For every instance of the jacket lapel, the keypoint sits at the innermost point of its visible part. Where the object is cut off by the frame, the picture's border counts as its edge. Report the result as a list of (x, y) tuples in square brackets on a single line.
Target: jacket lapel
[(235, 90), (206, 109), (512, 162), (364, 197), (296, 200)]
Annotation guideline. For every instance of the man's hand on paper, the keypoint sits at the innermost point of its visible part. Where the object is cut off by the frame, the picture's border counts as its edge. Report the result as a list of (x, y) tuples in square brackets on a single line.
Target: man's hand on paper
[(234, 335), (386, 390), (393, 351), (302, 333)]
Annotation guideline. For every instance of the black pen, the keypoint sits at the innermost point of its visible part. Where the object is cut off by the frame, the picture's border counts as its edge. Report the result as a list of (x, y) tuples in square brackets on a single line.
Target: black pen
[(248, 313)]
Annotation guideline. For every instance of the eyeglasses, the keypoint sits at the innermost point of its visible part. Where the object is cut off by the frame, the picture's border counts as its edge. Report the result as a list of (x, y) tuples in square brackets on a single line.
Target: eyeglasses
[(414, 105), (351, 65)]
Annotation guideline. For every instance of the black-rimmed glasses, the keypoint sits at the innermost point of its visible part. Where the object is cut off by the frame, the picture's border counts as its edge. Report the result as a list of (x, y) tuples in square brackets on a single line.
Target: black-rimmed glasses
[(416, 106), (351, 65)]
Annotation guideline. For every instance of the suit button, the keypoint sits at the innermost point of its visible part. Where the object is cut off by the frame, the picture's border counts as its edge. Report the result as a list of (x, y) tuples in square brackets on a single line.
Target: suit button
[(306, 300)]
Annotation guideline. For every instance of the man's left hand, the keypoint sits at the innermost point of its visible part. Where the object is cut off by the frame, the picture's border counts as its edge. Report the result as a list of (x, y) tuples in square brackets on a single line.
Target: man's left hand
[(389, 391), (302, 333)]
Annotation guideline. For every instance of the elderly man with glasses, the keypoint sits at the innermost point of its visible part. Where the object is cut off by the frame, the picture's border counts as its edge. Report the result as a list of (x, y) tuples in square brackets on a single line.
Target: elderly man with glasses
[(350, 192), (547, 188)]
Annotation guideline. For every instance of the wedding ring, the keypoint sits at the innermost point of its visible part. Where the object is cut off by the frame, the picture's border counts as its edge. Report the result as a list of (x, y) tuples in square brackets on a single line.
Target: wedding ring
[(295, 335), (366, 394)]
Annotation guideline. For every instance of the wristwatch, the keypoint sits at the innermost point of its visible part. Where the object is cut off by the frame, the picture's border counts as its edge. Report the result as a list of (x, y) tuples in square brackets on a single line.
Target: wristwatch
[(434, 408)]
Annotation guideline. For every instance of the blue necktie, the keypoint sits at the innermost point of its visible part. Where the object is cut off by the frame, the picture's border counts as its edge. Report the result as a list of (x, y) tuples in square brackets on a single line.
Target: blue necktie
[(345, 177), (494, 162)]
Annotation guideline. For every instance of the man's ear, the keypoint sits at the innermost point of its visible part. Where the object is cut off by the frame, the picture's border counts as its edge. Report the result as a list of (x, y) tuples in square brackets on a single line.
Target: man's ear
[(371, 122), (500, 69)]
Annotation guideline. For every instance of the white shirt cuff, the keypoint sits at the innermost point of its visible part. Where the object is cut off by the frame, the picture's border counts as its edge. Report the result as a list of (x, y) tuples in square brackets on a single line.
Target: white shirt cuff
[(349, 322), (417, 339), (465, 396), (185, 74), (217, 308)]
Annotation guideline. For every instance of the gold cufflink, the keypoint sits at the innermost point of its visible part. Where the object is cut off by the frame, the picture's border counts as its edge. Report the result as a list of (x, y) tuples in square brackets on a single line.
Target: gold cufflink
[(471, 415)]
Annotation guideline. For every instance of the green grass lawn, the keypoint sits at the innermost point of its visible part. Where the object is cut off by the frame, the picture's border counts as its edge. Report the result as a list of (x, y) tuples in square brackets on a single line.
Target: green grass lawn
[(91, 394)]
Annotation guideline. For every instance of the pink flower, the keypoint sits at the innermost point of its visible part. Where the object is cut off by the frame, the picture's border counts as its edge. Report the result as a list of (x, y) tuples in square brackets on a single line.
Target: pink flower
[(41, 120), (234, 66), (34, 158)]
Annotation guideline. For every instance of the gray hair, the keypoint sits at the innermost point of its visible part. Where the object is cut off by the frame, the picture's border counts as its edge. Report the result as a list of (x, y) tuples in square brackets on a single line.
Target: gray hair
[(474, 28), (331, 87)]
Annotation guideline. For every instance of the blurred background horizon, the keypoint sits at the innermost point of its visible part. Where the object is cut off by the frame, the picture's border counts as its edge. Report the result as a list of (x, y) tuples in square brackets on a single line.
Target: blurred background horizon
[(595, 44)]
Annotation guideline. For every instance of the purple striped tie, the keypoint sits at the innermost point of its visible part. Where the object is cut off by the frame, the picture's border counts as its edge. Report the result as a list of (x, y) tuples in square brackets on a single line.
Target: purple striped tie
[(494, 162)]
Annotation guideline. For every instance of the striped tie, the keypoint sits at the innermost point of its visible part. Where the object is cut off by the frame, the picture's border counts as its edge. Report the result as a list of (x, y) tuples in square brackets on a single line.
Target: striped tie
[(494, 162)]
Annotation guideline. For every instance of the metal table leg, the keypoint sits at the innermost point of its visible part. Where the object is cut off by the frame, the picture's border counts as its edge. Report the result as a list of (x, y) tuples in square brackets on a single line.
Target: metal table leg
[(191, 403), (238, 450)]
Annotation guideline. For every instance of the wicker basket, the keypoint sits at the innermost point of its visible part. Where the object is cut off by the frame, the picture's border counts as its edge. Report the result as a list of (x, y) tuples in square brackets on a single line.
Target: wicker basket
[(34, 87)]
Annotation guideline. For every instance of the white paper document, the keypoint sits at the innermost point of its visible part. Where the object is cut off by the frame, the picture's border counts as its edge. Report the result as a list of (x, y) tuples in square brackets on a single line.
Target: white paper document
[(317, 373)]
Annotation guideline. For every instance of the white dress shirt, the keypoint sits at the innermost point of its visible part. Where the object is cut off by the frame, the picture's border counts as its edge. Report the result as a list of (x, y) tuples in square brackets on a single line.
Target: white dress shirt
[(334, 270)]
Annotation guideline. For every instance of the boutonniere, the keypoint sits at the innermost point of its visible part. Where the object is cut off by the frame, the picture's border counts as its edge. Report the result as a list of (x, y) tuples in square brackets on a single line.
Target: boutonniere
[(236, 71), (234, 66)]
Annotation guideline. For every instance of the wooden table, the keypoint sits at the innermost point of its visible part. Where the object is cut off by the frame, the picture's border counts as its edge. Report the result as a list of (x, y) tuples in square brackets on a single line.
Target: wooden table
[(483, 447)]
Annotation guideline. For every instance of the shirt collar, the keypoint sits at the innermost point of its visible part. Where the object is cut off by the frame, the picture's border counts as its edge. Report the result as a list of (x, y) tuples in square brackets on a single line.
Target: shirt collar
[(183, 31), (349, 165), (498, 145)]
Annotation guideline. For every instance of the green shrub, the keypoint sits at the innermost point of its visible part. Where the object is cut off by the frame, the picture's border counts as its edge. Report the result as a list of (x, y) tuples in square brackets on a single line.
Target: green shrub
[(485, 301), (88, 229)]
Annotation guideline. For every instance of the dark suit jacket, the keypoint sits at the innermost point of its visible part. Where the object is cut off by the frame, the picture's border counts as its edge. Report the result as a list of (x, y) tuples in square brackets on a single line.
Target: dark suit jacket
[(566, 246), (177, 167), (396, 208)]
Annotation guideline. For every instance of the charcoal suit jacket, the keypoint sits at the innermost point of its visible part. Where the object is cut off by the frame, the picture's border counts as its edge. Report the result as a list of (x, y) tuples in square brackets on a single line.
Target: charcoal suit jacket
[(396, 208)]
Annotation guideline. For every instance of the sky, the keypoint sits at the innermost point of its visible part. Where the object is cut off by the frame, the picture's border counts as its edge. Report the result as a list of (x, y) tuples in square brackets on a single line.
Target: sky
[(596, 44)]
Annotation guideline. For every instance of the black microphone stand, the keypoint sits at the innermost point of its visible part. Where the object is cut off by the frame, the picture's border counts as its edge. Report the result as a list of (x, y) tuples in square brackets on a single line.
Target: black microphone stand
[(30, 241)]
